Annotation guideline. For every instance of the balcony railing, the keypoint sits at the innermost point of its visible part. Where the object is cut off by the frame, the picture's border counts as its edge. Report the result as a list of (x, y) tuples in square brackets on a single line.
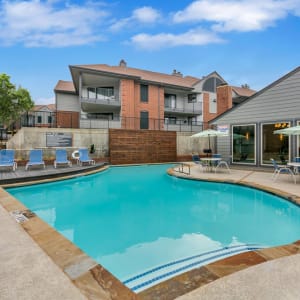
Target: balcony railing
[(186, 110), (107, 100), (134, 123), (71, 120)]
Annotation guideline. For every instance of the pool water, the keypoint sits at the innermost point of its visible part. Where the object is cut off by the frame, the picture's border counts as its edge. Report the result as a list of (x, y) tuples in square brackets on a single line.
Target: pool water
[(145, 226)]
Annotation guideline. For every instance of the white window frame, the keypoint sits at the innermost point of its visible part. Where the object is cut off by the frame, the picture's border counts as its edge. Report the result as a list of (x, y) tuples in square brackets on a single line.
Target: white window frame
[(255, 138), (261, 140)]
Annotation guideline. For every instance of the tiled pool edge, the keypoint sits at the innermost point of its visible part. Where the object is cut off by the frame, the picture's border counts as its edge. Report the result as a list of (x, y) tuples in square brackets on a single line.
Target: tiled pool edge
[(186, 282), (93, 280)]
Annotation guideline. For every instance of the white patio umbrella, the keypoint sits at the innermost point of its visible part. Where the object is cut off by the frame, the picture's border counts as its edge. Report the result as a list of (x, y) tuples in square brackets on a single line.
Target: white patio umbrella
[(295, 130), (208, 133)]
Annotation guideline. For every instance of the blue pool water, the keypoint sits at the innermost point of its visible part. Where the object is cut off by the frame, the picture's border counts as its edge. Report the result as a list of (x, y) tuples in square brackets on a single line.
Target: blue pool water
[(145, 226)]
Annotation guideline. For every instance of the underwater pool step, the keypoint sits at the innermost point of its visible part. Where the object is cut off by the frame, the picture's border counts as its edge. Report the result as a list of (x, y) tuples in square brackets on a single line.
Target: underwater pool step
[(163, 272)]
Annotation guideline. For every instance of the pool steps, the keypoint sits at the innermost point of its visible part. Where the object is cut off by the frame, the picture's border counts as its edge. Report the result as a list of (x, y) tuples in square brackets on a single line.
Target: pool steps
[(160, 273)]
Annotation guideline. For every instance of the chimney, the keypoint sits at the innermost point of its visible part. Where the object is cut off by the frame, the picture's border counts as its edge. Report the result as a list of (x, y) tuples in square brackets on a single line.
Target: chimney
[(123, 63), (176, 73)]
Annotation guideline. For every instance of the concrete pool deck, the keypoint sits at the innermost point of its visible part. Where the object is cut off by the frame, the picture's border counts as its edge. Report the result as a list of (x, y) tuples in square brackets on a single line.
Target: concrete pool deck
[(29, 272)]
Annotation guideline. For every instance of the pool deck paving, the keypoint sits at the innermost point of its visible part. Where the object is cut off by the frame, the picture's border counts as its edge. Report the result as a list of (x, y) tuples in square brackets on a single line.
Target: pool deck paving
[(29, 270)]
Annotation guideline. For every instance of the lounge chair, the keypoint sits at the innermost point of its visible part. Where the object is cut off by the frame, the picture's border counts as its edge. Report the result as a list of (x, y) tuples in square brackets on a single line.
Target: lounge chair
[(61, 158), (7, 159), (35, 159), (84, 157), (278, 169)]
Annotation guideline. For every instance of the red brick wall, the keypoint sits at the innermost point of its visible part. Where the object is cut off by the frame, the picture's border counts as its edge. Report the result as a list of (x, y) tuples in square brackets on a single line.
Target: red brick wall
[(127, 105), (207, 116), (141, 146), (224, 102), (224, 98), (132, 106), (67, 119)]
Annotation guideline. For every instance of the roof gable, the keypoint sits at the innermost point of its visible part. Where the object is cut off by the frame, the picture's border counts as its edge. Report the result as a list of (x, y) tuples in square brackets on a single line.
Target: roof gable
[(149, 76), (268, 103)]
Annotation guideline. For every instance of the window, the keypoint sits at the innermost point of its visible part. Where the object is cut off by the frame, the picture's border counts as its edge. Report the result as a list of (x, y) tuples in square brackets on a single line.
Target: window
[(192, 98), (39, 119), (144, 93), (49, 119), (170, 120), (103, 92), (144, 120), (243, 144), (170, 101), (274, 145), (91, 93), (211, 84)]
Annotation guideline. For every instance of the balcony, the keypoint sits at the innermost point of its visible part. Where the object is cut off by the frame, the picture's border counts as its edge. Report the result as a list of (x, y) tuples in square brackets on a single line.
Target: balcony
[(183, 110), (104, 100), (100, 96)]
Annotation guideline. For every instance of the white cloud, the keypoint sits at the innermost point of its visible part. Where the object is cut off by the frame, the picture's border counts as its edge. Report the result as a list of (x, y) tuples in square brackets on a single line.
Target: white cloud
[(245, 15), (146, 14), (142, 15), (194, 37), (36, 24)]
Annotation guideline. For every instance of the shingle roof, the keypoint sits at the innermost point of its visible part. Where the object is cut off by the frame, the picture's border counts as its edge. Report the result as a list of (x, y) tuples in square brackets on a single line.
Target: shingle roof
[(243, 91), (65, 86), (178, 80)]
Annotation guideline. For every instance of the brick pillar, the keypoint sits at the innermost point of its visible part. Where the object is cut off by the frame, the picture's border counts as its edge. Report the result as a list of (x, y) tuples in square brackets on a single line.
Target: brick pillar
[(224, 98)]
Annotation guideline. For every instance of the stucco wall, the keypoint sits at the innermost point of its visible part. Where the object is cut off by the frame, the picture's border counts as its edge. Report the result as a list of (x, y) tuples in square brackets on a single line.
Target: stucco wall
[(186, 145), (31, 138)]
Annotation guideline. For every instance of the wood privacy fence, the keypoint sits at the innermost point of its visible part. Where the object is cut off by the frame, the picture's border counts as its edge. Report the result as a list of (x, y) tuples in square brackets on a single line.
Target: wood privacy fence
[(141, 146)]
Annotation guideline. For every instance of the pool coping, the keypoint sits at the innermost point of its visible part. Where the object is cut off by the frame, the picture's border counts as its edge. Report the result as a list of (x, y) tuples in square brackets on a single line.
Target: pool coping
[(94, 281)]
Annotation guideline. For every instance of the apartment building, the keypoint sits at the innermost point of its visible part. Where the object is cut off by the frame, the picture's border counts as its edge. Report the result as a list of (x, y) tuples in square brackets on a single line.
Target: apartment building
[(103, 96)]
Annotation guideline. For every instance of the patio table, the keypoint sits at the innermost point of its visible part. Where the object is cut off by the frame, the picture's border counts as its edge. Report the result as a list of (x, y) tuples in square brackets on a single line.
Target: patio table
[(210, 161)]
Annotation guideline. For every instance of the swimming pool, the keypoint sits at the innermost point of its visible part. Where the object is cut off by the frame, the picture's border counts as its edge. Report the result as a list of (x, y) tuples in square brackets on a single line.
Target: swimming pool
[(145, 226)]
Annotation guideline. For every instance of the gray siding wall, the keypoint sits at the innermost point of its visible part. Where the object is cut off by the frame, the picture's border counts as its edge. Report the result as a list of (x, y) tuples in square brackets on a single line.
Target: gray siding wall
[(67, 102), (280, 102)]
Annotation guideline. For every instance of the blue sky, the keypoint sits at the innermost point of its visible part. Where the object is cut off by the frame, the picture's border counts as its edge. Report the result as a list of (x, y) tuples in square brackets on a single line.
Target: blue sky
[(253, 42)]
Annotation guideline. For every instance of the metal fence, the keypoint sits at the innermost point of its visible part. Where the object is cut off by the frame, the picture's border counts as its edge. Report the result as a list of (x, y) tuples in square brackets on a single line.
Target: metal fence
[(72, 120)]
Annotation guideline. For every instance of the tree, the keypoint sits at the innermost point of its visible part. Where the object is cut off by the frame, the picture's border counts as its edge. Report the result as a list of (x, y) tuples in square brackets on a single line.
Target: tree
[(13, 101)]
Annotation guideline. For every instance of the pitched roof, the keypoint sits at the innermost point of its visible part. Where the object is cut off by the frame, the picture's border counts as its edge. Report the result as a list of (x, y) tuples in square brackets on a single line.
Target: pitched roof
[(167, 79), (245, 92), (284, 77), (40, 107), (65, 86)]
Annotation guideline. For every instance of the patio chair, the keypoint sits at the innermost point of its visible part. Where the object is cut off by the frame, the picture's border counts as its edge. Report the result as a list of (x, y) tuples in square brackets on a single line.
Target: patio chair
[(297, 169), (7, 159), (278, 169), (84, 157), (61, 158), (221, 163), (35, 159), (197, 160)]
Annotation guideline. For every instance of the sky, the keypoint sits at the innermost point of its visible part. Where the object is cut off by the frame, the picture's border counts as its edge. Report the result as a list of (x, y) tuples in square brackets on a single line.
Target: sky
[(252, 42)]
